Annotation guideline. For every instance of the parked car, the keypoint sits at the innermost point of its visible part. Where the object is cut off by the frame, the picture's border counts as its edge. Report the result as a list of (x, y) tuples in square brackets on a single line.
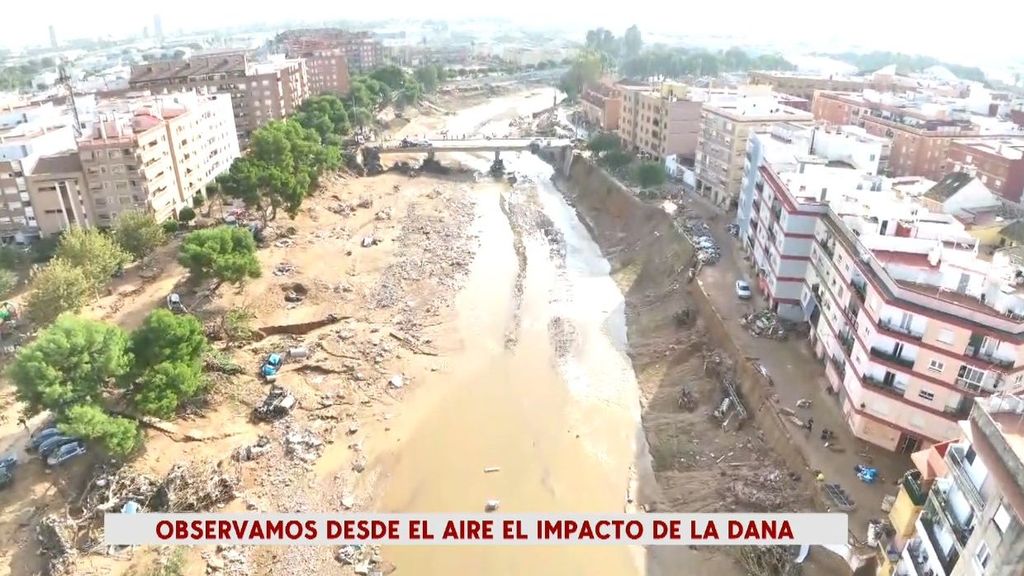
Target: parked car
[(48, 447), (271, 365), (66, 452), (743, 290), (41, 436)]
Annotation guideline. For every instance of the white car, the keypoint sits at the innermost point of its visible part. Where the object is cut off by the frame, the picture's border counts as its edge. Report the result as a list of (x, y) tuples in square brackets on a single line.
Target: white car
[(743, 290)]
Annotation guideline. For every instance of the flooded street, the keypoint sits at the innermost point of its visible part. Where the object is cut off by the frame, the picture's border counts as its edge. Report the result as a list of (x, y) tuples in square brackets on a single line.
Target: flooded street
[(537, 384)]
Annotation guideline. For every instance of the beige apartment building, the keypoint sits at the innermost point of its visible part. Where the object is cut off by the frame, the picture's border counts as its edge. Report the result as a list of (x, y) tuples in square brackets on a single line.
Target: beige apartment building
[(725, 128), (27, 134), (260, 92), (662, 122), (153, 154)]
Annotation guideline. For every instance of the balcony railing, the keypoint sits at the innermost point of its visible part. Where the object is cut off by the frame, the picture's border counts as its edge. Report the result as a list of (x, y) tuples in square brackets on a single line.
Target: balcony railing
[(930, 522), (830, 250), (890, 389), (839, 364), (958, 469), (989, 358), (860, 289), (960, 412), (846, 341), (892, 327), (915, 491), (889, 357), (939, 506), (968, 385)]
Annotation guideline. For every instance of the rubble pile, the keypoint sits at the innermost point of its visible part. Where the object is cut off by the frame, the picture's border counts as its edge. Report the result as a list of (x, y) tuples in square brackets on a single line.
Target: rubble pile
[(228, 561), (364, 559), (56, 539), (699, 234), (252, 451), (767, 324), (775, 560), (303, 445), (766, 490), (194, 487), (433, 247), (563, 336)]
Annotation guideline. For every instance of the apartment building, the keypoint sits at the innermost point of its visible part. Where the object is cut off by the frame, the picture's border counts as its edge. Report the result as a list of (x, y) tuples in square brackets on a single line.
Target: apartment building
[(27, 134), (362, 50), (804, 85), (602, 105), (725, 129), (922, 127), (260, 92), (148, 153), (911, 322), (326, 72), (960, 511), (997, 162), (792, 173)]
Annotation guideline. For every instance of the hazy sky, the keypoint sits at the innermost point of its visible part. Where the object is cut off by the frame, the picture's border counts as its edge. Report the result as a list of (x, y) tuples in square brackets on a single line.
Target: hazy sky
[(962, 30)]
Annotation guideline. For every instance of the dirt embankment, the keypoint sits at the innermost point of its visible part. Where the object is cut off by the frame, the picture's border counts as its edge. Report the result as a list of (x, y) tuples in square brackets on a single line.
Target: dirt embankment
[(680, 352)]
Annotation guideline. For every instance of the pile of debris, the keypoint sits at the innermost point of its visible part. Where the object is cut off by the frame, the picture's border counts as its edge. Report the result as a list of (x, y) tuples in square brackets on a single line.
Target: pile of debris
[(194, 487), (56, 538), (774, 560), (252, 451), (766, 490), (228, 561), (303, 444), (364, 559), (767, 324), (284, 269), (699, 234)]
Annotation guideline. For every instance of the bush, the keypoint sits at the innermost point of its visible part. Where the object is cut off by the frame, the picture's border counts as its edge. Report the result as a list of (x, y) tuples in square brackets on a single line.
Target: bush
[(186, 215), (650, 174), (616, 159), (8, 280), (603, 142), (119, 436), (138, 233), (224, 253), (170, 226), (60, 287)]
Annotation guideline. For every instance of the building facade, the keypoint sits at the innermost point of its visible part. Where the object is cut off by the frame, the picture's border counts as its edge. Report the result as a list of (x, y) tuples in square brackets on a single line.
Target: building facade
[(997, 162), (725, 130), (804, 85), (326, 72), (362, 50), (149, 154), (602, 105), (260, 92), (26, 136), (959, 513)]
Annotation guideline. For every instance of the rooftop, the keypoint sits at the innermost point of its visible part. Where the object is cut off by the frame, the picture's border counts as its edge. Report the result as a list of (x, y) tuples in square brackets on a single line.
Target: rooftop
[(948, 186), (1011, 148)]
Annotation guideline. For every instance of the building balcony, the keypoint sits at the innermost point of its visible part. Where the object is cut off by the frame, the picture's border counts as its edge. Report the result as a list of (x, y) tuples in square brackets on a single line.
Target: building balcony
[(889, 357), (938, 506), (839, 364), (846, 341), (890, 389), (860, 289), (917, 493), (958, 470), (830, 250), (931, 526), (915, 559), (897, 329)]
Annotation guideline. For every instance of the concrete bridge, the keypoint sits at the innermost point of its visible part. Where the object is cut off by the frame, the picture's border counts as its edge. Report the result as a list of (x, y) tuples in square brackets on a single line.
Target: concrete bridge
[(495, 145)]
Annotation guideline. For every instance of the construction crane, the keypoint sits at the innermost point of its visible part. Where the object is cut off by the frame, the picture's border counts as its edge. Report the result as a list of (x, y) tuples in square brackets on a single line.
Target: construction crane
[(64, 79)]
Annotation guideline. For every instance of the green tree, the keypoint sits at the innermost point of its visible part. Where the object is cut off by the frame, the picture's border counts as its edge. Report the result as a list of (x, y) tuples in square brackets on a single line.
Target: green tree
[(162, 388), (186, 215), (167, 337), (632, 42), (236, 324), (119, 436), (585, 70), (603, 142), (284, 163), (650, 174), (391, 76), (327, 116), (138, 233), (58, 288), (362, 117), (224, 253), (616, 159), (95, 252), (69, 364), (429, 77), (8, 280), (12, 257)]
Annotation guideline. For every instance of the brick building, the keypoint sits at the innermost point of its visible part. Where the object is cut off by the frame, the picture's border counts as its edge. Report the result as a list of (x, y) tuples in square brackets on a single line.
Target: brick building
[(997, 162)]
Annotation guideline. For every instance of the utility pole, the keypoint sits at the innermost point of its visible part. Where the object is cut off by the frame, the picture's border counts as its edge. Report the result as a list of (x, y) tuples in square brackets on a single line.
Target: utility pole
[(64, 79)]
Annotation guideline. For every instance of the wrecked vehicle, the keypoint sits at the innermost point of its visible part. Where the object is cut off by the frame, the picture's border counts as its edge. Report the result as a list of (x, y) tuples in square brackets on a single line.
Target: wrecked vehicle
[(174, 303), (271, 365), (278, 404)]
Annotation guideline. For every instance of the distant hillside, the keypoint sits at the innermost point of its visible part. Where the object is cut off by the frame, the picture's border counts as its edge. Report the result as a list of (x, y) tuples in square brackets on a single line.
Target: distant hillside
[(906, 63)]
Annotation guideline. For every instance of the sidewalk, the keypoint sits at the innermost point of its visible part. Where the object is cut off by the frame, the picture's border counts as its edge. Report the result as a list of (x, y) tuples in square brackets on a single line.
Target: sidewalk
[(797, 374)]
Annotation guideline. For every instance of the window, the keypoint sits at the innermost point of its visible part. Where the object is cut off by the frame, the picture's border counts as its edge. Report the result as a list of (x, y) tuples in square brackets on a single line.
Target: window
[(982, 556), (971, 374), (936, 366), (1001, 519), (945, 336), (926, 395)]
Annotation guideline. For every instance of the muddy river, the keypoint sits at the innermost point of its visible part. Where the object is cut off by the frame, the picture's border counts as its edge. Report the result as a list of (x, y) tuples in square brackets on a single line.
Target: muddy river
[(539, 384)]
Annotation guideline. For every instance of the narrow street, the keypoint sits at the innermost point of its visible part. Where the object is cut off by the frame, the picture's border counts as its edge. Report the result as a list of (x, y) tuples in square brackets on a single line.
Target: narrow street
[(797, 374)]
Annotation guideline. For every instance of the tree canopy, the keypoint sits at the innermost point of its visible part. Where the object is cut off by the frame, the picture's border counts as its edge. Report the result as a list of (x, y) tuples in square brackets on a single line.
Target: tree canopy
[(327, 116), (632, 42), (650, 174), (138, 233), (70, 363), (94, 252), (585, 70), (225, 253), (284, 163), (119, 436), (58, 288), (167, 337)]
